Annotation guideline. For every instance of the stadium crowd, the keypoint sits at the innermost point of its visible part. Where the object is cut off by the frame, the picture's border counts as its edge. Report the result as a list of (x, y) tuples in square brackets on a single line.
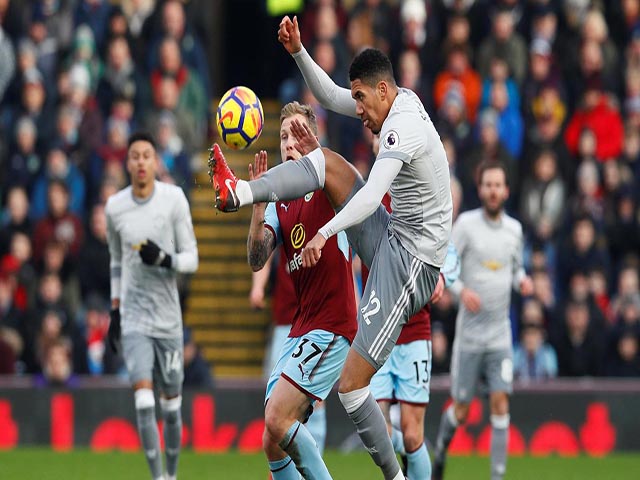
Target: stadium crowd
[(550, 87)]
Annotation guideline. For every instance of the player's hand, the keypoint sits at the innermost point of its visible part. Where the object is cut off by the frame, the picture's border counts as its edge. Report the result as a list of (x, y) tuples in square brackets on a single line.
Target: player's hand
[(114, 330), (306, 141), (256, 170), (256, 298), (289, 34), (470, 300), (312, 251), (438, 291), (526, 286), (152, 254)]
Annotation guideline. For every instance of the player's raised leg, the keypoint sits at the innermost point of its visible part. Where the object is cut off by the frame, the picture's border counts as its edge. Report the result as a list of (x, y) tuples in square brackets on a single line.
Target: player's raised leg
[(319, 168)]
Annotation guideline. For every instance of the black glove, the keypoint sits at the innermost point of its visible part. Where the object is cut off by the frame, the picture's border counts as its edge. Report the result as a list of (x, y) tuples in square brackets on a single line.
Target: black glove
[(114, 330), (152, 254)]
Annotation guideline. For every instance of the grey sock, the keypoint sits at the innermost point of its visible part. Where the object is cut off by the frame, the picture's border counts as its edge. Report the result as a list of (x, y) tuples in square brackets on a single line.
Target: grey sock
[(172, 438), (499, 439), (287, 181), (445, 433), (148, 430), (372, 428)]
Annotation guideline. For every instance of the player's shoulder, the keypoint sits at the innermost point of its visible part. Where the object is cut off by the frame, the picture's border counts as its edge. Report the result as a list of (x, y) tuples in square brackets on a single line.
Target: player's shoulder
[(512, 224), (169, 190), (118, 201), (469, 217)]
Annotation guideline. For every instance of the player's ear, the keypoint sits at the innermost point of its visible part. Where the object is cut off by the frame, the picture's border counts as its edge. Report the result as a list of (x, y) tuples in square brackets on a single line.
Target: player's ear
[(382, 88)]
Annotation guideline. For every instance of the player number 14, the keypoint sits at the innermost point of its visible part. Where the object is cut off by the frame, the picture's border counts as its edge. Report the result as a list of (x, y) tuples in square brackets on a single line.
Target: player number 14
[(172, 360)]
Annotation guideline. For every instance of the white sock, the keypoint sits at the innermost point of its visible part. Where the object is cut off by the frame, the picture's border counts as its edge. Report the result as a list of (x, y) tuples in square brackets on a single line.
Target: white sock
[(399, 476), (243, 192)]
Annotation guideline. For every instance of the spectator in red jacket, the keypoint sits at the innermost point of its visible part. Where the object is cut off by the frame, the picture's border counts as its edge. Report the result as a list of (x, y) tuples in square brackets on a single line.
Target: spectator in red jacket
[(601, 117)]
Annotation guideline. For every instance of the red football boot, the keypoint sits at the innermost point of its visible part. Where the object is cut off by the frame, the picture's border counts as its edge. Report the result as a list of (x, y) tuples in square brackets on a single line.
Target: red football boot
[(223, 180)]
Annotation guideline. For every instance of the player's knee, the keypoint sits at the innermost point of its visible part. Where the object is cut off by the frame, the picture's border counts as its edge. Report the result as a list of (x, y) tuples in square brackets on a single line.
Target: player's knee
[(412, 438), (171, 409), (461, 412), (352, 400), (275, 424), (269, 444), (145, 405), (500, 421)]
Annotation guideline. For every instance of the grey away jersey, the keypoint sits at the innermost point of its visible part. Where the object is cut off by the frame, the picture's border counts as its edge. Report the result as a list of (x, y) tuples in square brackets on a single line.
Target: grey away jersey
[(421, 193), (491, 264), (148, 294)]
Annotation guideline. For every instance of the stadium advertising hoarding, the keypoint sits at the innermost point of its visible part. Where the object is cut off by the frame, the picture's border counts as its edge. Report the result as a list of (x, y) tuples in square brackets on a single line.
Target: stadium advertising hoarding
[(567, 418)]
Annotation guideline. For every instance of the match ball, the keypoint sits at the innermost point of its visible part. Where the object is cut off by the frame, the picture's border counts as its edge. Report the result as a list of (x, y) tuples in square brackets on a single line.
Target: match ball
[(239, 118)]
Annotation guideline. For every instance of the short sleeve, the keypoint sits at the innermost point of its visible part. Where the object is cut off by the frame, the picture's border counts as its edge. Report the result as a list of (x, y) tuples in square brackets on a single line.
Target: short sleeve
[(272, 222), (403, 134)]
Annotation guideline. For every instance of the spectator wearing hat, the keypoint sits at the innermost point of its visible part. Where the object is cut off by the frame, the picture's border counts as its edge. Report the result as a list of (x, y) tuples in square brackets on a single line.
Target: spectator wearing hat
[(58, 167), (84, 52), (59, 223)]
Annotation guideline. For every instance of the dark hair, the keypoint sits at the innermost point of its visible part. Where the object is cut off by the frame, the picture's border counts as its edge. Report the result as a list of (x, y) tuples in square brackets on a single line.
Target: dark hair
[(490, 165), (141, 137), (370, 66)]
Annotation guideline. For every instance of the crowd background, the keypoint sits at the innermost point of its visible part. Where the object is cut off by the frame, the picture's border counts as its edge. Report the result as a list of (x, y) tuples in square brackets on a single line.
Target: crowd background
[(551, 88)]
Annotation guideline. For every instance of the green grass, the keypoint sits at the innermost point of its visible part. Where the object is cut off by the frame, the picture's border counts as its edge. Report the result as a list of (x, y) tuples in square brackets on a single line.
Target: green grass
[(27, 464)]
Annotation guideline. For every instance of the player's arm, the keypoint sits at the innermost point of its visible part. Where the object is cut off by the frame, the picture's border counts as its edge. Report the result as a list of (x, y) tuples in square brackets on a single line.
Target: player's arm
[(115, 272), (186, 257), (330, 95), (521, 281), (259, 282), (261, 241)]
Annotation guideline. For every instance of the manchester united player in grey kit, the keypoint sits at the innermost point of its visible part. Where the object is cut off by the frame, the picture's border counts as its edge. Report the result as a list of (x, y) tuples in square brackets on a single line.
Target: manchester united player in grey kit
[(151, 239), (489, 244), (404, 250)]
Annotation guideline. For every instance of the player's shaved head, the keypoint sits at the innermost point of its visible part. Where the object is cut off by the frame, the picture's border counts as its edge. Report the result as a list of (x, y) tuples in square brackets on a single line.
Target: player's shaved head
[(370, 67), (295, 108)]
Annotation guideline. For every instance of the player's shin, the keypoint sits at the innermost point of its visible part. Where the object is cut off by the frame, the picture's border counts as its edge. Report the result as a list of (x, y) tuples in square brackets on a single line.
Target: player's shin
[(172, 417), (317, 426), (419, 464), (148, 430), (448, 426), (372, 428), (287, 181), (302, 449), (499, 442)]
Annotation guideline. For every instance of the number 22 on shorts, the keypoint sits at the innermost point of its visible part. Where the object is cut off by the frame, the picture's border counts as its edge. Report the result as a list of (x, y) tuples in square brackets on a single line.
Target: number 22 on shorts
[(374, 302)]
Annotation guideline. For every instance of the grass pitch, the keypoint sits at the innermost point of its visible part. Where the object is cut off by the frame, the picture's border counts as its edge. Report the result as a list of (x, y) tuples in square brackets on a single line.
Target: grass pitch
[(27, 464)]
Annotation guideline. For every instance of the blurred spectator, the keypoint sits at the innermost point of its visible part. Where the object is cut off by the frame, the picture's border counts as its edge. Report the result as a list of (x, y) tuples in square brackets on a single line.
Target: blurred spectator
[(60, 223), (84, 52), (308, 20), (95, 14), (55, 260), (503, 42), (57, 368), (410, 76), (113, 151), (533, 358), (510, 124), (599, 291), (58, 168), (577, 345), (8, 356), (174, 25), (93, 261), (625, 359), (197, 373), (138, 14), (458, 73), (628, 287), (542, 199), (458, 32), (121, 78), (100, 358), (11, 315), (453, 123), (7, 60), (15, 217), (175, 161), (543, 72), (597, 114), (24, 160)]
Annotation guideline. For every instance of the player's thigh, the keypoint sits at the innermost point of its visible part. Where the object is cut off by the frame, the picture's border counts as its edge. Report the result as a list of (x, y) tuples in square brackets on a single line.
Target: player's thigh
[(366, 236), (412, 371), (381, 385), (398, 286), (314, 363), (499, 370), (137, 351), (278, 339), (169, 365), (286, 350), (341, 178), (465, 372)]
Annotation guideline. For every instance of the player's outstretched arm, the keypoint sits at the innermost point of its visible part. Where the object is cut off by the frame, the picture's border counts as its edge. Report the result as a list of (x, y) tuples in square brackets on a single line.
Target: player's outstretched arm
[(328, 93), (260, 242)]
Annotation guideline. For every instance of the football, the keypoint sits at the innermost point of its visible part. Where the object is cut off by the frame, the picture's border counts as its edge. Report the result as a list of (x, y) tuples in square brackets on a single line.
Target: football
[(239, 118)]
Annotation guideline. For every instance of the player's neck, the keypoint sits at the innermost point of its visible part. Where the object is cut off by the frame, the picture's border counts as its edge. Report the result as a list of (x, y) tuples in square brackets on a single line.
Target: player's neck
[(143, 191)]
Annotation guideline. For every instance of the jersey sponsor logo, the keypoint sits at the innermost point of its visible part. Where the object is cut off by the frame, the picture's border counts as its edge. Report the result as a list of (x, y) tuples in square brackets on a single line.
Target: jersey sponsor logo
[(391, 140), (374, 302), (297, 235), (295, 263), (308, 197), (493, 265)]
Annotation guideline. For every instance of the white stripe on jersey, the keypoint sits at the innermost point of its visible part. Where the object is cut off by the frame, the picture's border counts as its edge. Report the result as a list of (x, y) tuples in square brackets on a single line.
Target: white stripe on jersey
[(392, 320)]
